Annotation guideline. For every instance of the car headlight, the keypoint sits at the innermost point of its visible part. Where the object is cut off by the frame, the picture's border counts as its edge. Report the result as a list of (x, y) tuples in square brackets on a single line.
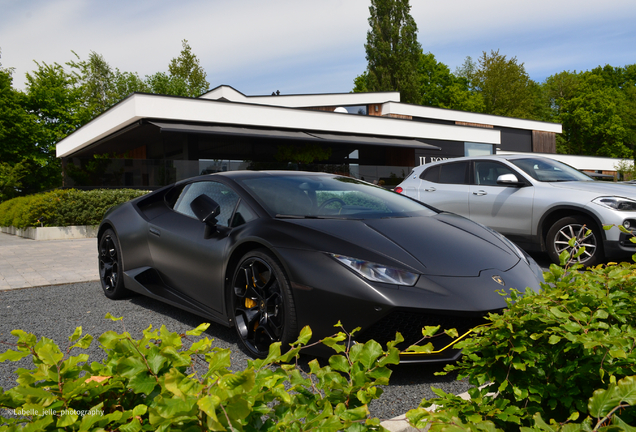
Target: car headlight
[(616, 203), (377, 272)]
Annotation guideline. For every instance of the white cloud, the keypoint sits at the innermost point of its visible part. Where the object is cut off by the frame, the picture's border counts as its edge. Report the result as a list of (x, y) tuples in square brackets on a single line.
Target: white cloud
[(303, 46)]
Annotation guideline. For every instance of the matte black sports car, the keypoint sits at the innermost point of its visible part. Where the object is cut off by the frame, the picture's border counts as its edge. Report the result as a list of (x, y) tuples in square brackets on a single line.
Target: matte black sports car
[(270, 252)]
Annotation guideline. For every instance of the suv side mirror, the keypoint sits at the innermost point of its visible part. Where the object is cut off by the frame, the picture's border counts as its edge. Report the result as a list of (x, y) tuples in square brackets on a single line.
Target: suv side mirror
[(205, 209), (509, 180)]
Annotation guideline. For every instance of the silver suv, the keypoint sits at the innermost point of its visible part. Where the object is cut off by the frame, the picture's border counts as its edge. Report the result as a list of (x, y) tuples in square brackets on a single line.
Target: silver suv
[(539, 203)]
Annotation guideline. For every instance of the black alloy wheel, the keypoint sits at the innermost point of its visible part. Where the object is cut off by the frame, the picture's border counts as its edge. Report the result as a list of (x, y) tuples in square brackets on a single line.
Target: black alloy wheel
[(575, 227), (262, 303), (110, 266)]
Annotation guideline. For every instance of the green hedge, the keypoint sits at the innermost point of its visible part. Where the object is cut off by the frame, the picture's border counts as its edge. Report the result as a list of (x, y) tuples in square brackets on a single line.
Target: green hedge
[(63, 207)]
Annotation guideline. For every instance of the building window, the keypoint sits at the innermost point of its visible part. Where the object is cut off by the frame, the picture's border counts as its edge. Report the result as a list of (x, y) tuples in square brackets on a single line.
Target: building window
[(477, 149)]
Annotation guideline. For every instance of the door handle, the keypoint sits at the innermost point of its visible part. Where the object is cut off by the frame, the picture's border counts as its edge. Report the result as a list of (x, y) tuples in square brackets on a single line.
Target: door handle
[(431, 189), (154, 231), (480, 193)]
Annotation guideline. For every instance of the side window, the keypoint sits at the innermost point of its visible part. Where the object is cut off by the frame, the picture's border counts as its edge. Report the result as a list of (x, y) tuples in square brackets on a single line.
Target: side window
[(223, 195), (243, 215), (431, 174), (454, 173), (486, 172)]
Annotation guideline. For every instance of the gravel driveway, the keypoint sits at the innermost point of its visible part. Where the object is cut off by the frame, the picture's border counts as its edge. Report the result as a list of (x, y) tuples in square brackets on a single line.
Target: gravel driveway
[(55, 311)]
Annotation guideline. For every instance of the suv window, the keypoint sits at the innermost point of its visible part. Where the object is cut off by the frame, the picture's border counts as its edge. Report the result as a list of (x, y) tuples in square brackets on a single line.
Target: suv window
[(450, 173), (487, 172)]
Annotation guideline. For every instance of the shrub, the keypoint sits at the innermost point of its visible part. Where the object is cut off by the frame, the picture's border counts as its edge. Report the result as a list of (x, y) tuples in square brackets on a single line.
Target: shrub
[(63, 207), (161, 383), (549, 351)]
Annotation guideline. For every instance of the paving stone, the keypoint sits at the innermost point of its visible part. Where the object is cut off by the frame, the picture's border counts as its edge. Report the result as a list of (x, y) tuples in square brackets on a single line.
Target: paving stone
[(30, 263)]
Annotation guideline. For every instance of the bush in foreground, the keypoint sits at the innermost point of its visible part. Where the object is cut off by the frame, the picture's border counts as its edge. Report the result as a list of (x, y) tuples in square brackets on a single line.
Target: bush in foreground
[(547, 353), (167, 381)]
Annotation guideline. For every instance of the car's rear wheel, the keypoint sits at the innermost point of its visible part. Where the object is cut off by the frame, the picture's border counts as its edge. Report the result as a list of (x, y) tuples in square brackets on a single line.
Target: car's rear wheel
[(576, 227), (110, 266), (262, 303)]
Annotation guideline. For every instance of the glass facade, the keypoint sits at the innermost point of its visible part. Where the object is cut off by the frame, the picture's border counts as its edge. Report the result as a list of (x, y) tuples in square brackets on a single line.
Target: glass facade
[(151, 174)]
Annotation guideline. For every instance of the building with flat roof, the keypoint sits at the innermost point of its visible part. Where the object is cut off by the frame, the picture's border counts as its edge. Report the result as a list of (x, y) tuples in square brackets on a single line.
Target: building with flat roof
[(147, 140)]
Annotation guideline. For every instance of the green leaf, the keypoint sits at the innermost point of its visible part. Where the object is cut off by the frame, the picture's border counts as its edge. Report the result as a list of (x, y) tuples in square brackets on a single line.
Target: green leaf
[(76, 334), (49, 353), (305, 335), (603, 401), (84, 342), (554, 339), (112, 318), (13, 355), (199, 330), (208, 405), (339, 363), (142, 383)]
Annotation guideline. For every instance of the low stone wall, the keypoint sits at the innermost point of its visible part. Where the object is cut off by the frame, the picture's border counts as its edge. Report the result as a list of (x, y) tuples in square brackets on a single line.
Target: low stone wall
[(53, 233)]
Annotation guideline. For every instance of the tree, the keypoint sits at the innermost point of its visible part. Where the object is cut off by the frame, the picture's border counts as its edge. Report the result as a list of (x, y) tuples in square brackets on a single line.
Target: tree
[(102, 86), (506, 88), (11, 179), (187, 68), (438, 87), (392, 49), (597, 109)]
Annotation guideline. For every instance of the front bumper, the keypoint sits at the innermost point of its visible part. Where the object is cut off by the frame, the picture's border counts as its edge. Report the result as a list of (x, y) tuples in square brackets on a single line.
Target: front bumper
[(325, 294)]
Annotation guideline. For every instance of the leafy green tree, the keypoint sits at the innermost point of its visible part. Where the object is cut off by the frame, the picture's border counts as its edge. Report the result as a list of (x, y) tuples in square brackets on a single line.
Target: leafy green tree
[(439, 87), (57, 104), (392, 49), (11, 179), (505, 86), (100, 85), (187, 68), (166, 84), (17, 125), (597, 109)]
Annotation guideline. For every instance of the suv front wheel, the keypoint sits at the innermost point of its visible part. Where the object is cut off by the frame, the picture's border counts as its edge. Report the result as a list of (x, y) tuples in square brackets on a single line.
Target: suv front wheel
[(575, 227)]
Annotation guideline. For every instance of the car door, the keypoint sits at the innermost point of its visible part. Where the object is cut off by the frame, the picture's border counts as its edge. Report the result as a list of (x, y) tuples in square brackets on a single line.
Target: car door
[(504, 208), (446, 187), (189, 257)]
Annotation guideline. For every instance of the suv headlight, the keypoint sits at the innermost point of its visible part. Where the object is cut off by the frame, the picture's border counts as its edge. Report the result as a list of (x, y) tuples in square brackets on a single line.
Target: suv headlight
[(377, 272), (616, 203)]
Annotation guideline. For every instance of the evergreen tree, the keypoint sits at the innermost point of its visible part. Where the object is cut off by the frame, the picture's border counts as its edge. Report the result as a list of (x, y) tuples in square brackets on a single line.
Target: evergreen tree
[(393, 51)]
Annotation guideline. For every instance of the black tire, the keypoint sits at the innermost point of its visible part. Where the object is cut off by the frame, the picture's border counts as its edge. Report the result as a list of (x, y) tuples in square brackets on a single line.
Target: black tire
[(111, 272), (262, 305), (575, 226)]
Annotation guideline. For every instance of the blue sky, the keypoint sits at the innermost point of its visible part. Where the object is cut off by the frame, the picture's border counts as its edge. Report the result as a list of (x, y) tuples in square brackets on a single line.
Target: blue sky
[(302, 46)]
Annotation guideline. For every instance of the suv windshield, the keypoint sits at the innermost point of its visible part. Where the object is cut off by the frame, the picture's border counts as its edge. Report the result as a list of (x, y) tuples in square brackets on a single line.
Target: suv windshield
[(549, 170), (328, 196)]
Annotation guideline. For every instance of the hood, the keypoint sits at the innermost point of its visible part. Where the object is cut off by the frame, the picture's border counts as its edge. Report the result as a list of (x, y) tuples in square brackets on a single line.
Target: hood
[(443, 245), (599, 188)]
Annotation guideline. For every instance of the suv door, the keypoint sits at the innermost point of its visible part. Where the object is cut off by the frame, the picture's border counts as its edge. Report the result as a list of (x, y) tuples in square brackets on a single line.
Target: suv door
[(445, 186), (504, 208)]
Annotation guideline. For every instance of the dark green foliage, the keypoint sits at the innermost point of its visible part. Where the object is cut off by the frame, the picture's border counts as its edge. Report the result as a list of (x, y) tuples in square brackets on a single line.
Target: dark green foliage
[(167, 382), (597, 109), (392, 49), (63, 207), (548, 352)]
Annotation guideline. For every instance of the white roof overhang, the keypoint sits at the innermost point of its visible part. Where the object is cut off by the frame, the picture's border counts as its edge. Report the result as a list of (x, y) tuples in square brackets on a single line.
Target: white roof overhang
[(170, 108), (468, 117)]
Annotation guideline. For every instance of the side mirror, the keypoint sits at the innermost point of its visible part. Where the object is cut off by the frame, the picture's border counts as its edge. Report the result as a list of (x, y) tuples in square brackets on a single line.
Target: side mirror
[(509, 180), (205, 209)]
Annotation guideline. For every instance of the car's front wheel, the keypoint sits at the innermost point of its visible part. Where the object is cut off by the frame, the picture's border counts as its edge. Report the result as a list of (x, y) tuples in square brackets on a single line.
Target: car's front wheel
[(111, 272), (262, 303), (585, 234)]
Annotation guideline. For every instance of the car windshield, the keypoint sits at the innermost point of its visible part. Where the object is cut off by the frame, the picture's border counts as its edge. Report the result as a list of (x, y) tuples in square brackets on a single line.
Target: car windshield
[(328, 196), (549, 170)]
